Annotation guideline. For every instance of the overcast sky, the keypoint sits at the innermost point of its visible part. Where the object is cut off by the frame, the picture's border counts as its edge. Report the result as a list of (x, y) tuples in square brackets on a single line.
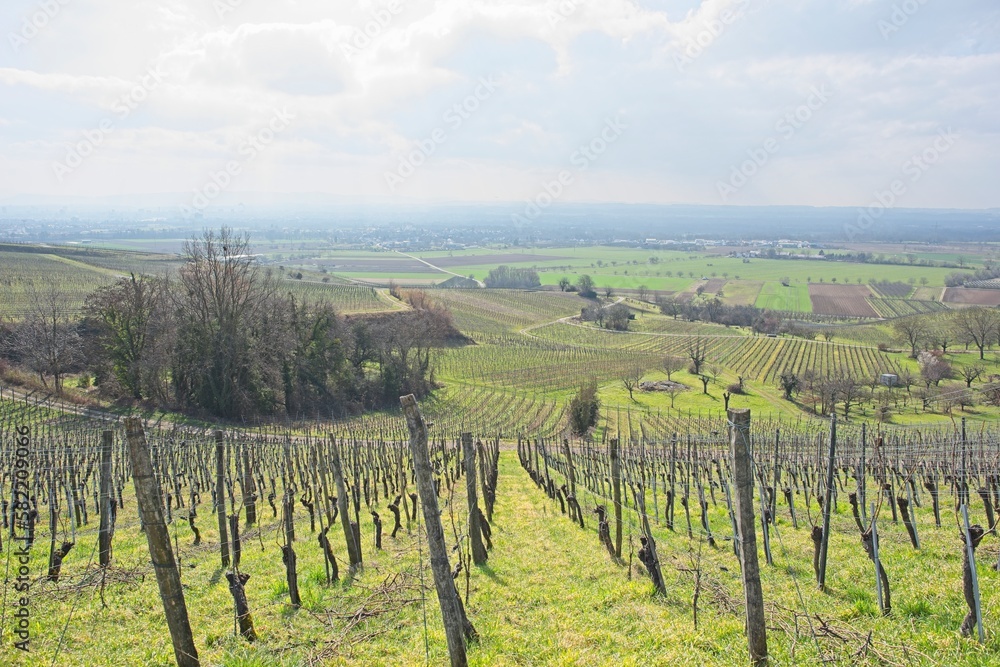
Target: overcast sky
[(815, 102)]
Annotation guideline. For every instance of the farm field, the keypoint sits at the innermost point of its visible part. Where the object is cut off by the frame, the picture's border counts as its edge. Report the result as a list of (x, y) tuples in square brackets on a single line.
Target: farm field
[(841, 300), (741, 292), (978, 297), (775, 296)]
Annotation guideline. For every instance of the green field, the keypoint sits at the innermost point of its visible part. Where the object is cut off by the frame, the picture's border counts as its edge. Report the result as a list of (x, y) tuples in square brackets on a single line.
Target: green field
[(775, 296)]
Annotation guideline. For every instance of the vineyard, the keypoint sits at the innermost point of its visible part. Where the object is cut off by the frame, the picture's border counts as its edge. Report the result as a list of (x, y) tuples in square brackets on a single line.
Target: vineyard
[(891, 308), (758, 358), (313, 546)]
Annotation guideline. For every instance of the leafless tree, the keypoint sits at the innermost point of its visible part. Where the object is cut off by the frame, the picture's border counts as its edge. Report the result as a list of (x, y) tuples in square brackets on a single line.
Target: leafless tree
[(972, 372), (849, 391), (672, 392), (671, 365), (696, 353), (912, 331), (630, 380), (979, 326), (47, 340), (669, 306)]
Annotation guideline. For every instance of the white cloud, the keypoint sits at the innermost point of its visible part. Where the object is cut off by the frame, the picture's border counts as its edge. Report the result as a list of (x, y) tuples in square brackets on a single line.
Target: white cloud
[(366, 80)]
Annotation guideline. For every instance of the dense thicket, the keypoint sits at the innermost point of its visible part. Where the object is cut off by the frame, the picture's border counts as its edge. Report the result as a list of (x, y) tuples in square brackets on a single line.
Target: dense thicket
[(513, 278), (222, 339)]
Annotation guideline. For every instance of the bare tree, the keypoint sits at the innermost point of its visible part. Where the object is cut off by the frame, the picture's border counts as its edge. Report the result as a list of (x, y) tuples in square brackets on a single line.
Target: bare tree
[(978, 326), (630, 380), (672, 392), (643, 292), (671, 365), (972, 372), (849, 391), (669, 306), (696, 353), (47, 341), (912, 331), (229, 341)]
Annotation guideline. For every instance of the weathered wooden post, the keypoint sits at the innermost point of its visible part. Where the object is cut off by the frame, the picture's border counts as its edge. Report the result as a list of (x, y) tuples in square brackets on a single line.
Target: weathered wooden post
[(104, 536), (456, 626), (827, 505), (616, 486), (353, 548), (479, 555), (220, 497), (739, 441), (168, 578), (249, 488)]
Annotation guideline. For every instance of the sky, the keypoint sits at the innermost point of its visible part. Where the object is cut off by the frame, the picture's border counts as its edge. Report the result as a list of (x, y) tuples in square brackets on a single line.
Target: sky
[(742, 102)]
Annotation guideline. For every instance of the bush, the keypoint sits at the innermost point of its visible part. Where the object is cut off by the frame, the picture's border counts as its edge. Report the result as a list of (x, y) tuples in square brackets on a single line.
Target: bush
[(735, 388), (584, 408)]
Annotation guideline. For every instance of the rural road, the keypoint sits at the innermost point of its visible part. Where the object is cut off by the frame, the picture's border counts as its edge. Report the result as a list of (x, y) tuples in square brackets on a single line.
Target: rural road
[(438, 268)]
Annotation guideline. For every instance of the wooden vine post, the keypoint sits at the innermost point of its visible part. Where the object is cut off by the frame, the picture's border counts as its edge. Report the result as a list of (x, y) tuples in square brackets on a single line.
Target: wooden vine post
[(220, 497), (104, 536), (456, 626), (739, 441), (148, 497), (343, 508), (479, 555), (827, 504), (616, 489)]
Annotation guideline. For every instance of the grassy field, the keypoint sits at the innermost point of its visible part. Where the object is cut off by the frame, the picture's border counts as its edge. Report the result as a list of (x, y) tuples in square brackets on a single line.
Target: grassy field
[(775, 296)]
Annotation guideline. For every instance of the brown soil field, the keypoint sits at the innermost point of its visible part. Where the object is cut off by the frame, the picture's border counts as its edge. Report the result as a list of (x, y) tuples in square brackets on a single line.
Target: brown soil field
[(841, 300), (972, 297)]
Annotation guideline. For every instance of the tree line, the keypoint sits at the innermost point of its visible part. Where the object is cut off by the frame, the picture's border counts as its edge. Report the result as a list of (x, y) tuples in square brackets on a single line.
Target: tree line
[(222, 338)]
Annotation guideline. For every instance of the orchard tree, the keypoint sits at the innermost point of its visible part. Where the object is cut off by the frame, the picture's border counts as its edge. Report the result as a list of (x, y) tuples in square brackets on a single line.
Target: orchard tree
[(972, 372), (979, 326), (696, 353), (671, 365), (631, 379), (912, 331)]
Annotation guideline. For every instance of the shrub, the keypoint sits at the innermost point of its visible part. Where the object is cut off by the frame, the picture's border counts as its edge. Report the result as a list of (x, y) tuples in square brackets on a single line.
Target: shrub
[(735, 388), (584, 408)]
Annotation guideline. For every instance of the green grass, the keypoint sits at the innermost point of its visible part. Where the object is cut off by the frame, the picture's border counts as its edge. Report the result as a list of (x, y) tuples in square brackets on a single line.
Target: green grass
[(550, 594), (775, 296)]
